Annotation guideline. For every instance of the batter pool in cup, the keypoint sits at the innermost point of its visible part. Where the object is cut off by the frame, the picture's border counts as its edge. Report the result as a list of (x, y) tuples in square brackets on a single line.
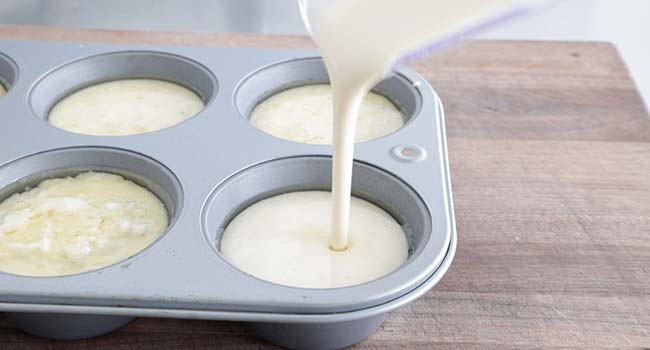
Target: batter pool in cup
[(125, 107), (304, 114), (284, 240), (71, 225)]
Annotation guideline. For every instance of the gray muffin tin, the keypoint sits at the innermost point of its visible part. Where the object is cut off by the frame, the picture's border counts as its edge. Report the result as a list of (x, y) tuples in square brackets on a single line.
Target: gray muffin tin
[(206, 170)]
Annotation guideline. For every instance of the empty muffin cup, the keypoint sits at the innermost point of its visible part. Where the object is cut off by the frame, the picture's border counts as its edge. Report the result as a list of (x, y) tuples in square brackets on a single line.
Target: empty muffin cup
[(292, 100), (123, 93)]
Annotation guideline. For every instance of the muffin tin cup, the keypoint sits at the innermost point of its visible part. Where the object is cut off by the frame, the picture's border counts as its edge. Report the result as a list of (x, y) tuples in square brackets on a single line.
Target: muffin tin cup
[(88, 71), (8, 72), (207, 169), (274, 78), (309, 173), (67, 326)]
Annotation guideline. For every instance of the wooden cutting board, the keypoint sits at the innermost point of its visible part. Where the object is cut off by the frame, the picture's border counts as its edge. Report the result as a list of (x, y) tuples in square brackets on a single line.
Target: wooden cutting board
[(549, 144)]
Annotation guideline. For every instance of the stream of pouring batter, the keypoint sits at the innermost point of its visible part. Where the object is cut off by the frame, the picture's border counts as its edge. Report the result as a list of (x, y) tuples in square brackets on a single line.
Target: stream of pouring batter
[(360, 41)]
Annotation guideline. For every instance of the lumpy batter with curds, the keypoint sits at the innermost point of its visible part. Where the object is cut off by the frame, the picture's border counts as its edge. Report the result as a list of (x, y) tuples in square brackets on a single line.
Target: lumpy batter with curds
[(125, 107), (284, 239), (304, 114), (70, 225)]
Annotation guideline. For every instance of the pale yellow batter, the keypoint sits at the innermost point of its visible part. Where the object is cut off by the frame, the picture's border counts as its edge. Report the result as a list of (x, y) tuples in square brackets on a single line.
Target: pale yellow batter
[(3, 91), (70, 225), (284, 239), (125, 107), (304, 114)]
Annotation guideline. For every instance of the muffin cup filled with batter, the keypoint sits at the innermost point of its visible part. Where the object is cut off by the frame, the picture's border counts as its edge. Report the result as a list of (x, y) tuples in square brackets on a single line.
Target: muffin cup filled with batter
[(74, 218), (78, 223), (292, 100), (279, 231), (123, 93)]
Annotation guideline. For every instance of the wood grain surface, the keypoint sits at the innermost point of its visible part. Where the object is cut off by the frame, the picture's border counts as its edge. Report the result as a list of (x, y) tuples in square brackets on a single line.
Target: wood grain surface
[(549, 145)]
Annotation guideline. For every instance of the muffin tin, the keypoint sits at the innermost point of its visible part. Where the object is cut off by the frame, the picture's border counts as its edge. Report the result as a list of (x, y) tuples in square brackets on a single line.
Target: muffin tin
[(206, 170)]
